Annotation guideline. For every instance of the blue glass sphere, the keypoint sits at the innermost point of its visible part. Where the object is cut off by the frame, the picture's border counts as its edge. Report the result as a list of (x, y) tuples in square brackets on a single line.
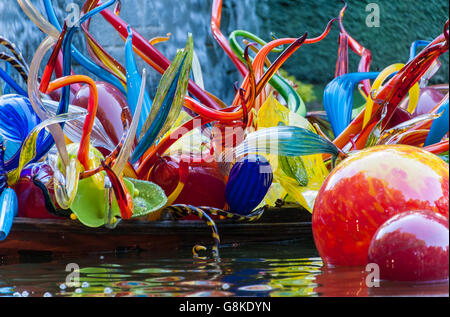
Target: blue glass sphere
[(248, 183)]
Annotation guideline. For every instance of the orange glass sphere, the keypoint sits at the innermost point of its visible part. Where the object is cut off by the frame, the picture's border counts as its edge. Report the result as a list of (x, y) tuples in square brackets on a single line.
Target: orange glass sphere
[(368, 188)]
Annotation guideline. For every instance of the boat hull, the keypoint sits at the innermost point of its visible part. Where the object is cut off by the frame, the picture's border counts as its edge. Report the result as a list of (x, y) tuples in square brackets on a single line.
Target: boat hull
[(66, 236)]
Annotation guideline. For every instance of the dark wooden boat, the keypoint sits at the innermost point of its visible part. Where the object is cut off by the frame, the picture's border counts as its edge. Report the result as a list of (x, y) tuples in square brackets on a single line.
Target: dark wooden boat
[(66, 236)]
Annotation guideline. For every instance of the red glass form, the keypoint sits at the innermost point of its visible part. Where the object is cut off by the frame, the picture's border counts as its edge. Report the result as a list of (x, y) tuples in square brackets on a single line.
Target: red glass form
[(123, 197), (205, 183), (216, 15), (111, 103), (368, 188), (154, 57), (412, 246), (30, 197), (345, 41), (152, 154), (428, 99), (342, 61), (400, 115), (396, 89), (260, 59)]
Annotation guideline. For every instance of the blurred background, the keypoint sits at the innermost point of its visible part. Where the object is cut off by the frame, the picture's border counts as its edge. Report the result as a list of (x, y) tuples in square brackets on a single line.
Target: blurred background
[(401, 23)]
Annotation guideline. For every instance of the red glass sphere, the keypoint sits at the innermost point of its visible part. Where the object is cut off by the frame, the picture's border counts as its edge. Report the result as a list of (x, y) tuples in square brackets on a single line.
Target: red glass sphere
[(205, 183), (412, 246), (368, 188), (165, 173), (111, 102), (30, 197)]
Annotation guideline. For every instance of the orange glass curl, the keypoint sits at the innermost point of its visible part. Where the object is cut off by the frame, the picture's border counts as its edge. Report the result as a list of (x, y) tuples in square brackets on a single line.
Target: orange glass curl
[(83, 152)]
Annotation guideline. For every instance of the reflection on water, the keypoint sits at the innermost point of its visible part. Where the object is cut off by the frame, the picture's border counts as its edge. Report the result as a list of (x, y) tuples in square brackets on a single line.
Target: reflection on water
[(258, 270)]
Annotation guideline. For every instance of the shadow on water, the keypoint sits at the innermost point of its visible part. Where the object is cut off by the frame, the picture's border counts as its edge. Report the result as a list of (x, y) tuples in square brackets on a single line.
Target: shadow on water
[(281, 269)]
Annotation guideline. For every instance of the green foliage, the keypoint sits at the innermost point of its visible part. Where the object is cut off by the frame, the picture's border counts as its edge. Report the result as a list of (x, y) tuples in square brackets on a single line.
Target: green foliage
[(401, 23), (306, 91)]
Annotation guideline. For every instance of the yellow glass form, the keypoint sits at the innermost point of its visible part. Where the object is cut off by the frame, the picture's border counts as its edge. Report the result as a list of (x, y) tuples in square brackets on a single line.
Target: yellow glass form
[(271, 114), (28, 151), (66, 187)]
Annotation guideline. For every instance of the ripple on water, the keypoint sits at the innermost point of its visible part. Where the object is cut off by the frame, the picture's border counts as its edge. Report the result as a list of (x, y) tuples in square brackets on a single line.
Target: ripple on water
[(284, 270)]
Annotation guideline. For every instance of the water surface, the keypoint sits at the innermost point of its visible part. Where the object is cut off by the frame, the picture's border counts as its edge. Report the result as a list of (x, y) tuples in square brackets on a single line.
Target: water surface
[(289, 269)]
